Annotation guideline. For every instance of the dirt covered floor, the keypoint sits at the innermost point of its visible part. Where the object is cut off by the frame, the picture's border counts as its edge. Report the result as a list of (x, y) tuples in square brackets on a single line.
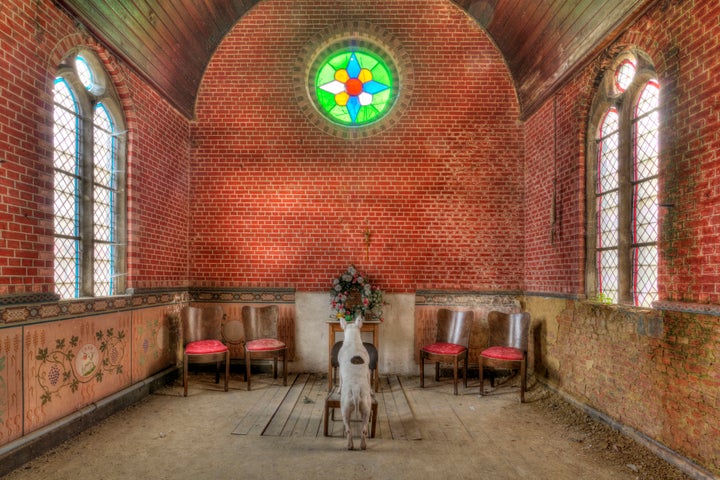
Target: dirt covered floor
[(168, 436), (605, 443)]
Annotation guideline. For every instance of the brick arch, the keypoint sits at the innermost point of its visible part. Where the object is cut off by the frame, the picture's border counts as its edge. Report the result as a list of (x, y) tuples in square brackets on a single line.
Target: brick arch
[(74, 41)]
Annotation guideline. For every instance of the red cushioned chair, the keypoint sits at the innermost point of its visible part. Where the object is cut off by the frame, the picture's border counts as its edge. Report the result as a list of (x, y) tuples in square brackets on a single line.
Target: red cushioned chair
[(260, 325), (508, 335), (451, 344), (201, 331)]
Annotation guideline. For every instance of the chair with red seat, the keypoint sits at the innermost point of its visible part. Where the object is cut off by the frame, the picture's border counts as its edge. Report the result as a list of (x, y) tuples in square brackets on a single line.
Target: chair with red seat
[(451, 344), (507, 349), (201, 333), (260, 326)]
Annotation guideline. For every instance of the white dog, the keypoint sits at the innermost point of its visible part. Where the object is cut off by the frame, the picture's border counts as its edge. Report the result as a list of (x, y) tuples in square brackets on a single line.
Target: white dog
[(355, 389)]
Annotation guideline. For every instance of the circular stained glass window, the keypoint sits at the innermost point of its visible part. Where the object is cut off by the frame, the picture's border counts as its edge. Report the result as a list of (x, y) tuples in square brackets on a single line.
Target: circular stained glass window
[(353, 80), (354, 87)]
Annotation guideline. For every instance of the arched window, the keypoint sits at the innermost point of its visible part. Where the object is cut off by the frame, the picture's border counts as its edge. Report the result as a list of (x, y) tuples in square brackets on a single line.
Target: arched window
[(623, 210), (88, 177)]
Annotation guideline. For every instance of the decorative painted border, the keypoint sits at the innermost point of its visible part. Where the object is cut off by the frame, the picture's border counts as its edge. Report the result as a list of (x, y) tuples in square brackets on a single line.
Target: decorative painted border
[(566, 296), (243, 295), (701, 308), (28, 298), (50, 311), (466, 298), (45, 311)]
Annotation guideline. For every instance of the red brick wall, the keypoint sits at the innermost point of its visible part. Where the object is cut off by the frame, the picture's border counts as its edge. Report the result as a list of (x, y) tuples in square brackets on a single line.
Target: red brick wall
[(34, 37), (690, 249), (277, 202), (25, 177), (554, 192), (159, 188)]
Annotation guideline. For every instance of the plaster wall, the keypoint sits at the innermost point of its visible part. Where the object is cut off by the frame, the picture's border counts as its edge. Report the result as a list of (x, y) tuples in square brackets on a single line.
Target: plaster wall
[(396, 334)]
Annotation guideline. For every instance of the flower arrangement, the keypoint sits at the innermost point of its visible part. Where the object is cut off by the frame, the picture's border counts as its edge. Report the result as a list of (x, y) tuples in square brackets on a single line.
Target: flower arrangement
[(352, 291)]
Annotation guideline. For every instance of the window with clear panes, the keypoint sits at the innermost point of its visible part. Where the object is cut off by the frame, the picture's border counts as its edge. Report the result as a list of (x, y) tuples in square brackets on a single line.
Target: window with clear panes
[(623, 178), (89, 180)]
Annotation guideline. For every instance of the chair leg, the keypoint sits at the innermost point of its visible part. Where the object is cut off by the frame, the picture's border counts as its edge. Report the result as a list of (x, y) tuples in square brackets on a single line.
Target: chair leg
[(523, 380), (325, 419), (217, 371), (437, 371), (422, 371), (285, 372), (465, 372), (247, 369), (482, 379), (275, 357), (185, 375), (227, 369), (455, 375)]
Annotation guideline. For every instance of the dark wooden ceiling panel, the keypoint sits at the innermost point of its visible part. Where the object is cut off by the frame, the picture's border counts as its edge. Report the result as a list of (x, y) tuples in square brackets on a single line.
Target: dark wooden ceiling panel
[(546, 41), (170, 42)]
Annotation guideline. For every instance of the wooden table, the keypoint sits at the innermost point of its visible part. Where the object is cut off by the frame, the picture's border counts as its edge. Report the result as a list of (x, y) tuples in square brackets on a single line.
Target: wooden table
[(335, 327)]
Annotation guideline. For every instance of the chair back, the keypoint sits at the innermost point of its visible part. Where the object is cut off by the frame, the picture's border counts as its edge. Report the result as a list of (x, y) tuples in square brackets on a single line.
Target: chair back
[(509, 329), (201, 323), (260, 322), (454, 326)]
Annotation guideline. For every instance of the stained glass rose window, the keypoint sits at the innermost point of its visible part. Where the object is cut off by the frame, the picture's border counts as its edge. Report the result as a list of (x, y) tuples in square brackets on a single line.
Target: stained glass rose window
[(353, 80), (354, 87)]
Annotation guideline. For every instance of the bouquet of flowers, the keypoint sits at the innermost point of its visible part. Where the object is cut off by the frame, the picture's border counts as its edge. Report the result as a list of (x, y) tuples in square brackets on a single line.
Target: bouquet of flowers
[(351, 292)]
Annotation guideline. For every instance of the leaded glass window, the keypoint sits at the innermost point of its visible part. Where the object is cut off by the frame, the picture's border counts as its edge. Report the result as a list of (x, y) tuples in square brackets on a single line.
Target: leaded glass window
[(104, 195), (66, 163), (87, 183), (608, 202), (626, 185), (645, 194)]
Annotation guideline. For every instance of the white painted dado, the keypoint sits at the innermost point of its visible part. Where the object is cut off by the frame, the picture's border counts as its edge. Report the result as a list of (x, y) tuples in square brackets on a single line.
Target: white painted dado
[(312, 312)]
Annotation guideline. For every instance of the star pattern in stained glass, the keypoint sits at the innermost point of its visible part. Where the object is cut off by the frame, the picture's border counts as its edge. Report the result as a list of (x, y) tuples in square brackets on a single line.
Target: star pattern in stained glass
[(354, 88)]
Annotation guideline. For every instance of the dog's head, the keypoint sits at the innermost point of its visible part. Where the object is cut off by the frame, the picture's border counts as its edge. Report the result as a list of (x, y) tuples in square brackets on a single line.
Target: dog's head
[(356, 322)]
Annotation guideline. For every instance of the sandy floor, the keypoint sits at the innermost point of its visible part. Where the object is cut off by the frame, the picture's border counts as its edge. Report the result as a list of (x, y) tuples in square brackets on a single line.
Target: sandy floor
[(167, 436)]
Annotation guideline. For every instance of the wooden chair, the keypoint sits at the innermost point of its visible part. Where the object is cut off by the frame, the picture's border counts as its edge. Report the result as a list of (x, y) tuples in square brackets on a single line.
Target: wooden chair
[(201, 331), (372, 352), (333, 401), (260, 325), (451, 344), (507, 349)]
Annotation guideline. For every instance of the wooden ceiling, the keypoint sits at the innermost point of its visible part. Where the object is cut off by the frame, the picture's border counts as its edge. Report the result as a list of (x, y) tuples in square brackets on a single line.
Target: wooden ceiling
[(170, 42)]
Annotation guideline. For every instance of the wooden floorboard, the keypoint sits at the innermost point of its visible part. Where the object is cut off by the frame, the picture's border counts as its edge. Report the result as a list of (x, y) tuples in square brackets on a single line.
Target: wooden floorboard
[(402, 409), (285, 410), (297, 410), (264, 409), (383, 424)]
